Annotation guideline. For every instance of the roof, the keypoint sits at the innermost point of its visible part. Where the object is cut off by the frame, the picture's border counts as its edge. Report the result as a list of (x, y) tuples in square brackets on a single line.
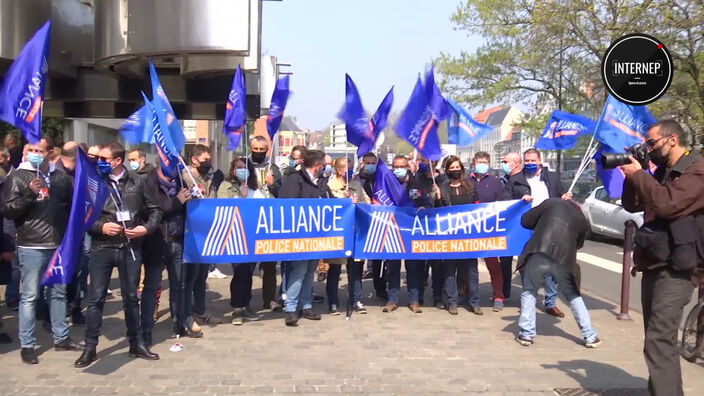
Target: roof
[(289, 124), (496, 118), (483, 115)]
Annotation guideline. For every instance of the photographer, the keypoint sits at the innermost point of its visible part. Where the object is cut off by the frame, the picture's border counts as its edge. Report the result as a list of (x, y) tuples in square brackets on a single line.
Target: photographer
[(665, 248)]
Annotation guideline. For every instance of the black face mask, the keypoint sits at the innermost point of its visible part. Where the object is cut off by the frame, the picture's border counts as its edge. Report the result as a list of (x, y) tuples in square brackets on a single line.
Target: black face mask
[(204, 167), (454, 174), (258, 157), (657, 157)]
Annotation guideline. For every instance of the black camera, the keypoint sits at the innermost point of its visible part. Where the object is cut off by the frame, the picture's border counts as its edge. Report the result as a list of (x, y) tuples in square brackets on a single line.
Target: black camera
[(639, 151)]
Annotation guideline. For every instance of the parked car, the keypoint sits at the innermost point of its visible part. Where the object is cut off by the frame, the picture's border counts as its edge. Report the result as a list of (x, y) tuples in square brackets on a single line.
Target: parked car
[(606, 216)]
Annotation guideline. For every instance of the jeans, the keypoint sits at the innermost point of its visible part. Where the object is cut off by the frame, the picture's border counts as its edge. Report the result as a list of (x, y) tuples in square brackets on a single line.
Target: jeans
[(198, 288), (534, 273), (268, 282), (414, 280), (449, 281), (153, 259), (354, 280), (33, 262), (664, 294), (473, 279), (102, 261), (12, 292), (299, 284), (550, 291), (506, 266), (393, 276), (494, 267), (241, 285), (179, 273)]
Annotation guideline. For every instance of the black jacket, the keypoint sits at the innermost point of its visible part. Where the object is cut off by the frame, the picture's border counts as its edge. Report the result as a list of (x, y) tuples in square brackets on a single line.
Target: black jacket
[(559, 228), (518, 186), (39, 223), (148, 168), (299, 185), (137, 200), (446, 191), (174, 212)]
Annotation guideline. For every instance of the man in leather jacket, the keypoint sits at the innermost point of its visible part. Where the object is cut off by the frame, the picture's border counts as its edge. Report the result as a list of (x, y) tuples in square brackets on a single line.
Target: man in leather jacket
[(666, 246), (117, 242), (37, 196)]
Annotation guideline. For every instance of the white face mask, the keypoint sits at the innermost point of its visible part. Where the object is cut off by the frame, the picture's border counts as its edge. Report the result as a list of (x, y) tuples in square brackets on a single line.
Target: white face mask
[(134, 165)]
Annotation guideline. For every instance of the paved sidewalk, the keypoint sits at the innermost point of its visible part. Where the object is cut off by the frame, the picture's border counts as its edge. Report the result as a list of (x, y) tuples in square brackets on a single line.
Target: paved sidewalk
[(377, 353)]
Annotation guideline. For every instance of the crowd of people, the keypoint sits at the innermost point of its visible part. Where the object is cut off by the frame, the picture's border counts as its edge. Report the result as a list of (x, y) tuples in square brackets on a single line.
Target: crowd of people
[(147, 207)]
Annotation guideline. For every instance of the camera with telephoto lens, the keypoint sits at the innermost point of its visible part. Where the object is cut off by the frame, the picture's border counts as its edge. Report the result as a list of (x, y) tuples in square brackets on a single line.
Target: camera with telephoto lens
[(639, 151)]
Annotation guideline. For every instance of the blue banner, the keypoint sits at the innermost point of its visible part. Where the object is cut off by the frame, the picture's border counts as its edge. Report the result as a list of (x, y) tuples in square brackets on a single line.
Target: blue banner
[(462, 129), (563, 129), (622, 125), (277, 106), (235, 116), (454, 232), (89, 195), (252, 230), (23, 86)]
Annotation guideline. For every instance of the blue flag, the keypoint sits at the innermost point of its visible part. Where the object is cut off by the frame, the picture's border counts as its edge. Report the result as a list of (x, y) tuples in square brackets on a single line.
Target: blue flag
[(418, 126), (165, 149), (378, 123), (612, 179), (89, 195), (235, 117), (172, 125), (622, 125), (138, 128), (563, 129), (22, 90), (276, 109), (462, 129), (438, 104), (388, 191)]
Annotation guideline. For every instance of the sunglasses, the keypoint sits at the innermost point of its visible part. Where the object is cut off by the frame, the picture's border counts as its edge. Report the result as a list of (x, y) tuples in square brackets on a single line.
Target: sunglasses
[(652, 142), (104, 159)]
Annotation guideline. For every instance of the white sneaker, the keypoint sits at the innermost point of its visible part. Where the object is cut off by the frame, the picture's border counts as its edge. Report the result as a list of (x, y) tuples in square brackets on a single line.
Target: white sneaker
[(216, 274)]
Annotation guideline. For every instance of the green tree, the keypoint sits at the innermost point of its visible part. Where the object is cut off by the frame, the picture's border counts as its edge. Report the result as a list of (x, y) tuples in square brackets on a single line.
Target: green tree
[(51, 126)]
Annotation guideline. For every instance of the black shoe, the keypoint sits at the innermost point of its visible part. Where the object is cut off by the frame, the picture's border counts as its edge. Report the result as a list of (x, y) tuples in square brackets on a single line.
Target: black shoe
[(309, 314), (318, 299), (67, 345), (87, 357), (5, 339), (29, 356), (291, 319), (142, 352), (78, 319)]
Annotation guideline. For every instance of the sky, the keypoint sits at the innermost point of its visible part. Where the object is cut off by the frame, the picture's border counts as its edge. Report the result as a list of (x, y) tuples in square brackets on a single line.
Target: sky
[(379, 43)]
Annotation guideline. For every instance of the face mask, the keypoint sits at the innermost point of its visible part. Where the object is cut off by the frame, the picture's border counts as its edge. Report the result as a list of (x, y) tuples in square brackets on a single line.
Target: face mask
[(350, 173), (204, 167), (657, 157), (422, 167), (291, 163), (530, 169), (481, 168), (506, 167), (370, 169), (104, 167), (35, 159), (242, 174), (327, 171), (258, 157), (134, 165), (454, 174), (400, 172)]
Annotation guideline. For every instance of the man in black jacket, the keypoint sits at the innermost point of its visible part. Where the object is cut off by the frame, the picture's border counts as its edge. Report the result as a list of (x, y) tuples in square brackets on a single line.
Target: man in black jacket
[(37, 196), (117, 241), (305, 183), (535, 184), (559, 228)]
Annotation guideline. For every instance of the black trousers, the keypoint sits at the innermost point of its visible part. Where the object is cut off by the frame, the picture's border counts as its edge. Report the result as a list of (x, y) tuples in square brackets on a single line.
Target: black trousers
[(664, 294), (268, 282), (506, 264), (241, 285), (379, 279)]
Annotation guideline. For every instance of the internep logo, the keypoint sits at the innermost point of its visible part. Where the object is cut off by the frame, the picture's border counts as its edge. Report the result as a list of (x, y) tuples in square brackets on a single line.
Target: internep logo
[(384, 235), (226, 235)]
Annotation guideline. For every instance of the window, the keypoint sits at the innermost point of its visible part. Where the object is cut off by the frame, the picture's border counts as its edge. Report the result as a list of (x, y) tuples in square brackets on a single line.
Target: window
[(602, 195)]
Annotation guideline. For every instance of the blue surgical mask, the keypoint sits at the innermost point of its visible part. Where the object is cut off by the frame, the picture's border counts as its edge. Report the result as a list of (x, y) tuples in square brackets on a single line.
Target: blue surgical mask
[(422, 167), (35, 159), (291, 163), (104, 167), (134, 165), (481, 168), (242, 174), (400, 172), (530, 169), (506, 167), (370, 169)]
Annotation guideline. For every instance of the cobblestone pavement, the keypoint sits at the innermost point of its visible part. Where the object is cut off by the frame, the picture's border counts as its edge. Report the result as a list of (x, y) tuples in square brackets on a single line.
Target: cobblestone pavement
[(377, 353)]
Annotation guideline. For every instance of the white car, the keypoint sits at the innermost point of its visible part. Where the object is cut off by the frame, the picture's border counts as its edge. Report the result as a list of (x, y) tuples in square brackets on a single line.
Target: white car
[(606, 216)]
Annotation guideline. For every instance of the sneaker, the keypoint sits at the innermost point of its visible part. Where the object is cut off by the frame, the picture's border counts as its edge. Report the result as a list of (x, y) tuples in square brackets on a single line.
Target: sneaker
[(216, 274), (525, 341), (238, 317), (207, 317), (498, 305), (438, 304), (592, 344), (334, 310), (250, 316), (359, 308), (476, 310)]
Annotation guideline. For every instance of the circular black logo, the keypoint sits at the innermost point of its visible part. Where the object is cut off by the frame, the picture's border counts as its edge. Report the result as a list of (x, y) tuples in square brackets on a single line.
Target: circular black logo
[(637, 69)]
